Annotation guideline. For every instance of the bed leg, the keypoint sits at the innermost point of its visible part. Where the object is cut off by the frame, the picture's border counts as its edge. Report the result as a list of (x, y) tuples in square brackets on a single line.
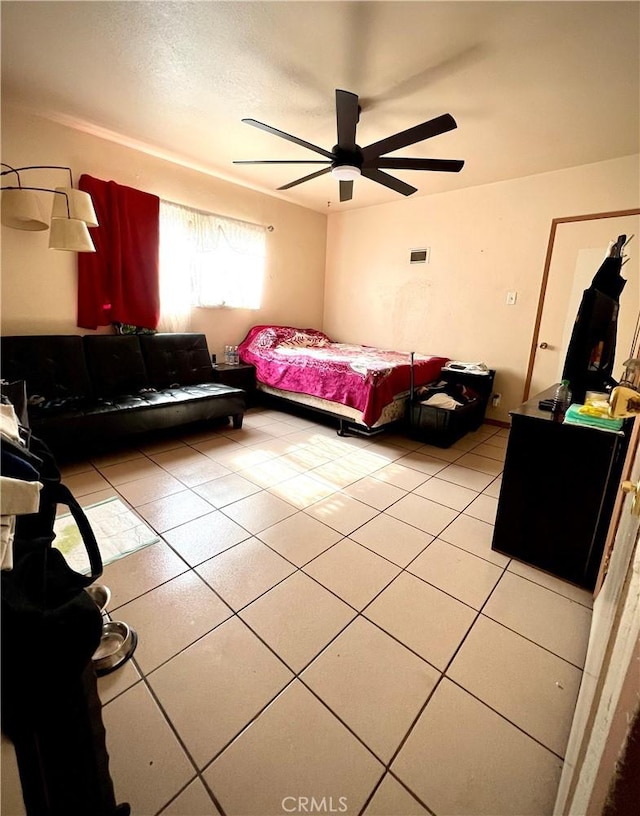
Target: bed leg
[(237, 420)]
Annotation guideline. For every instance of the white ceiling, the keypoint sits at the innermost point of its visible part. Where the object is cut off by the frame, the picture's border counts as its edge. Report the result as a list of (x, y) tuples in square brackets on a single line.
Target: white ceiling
[(533, 86)]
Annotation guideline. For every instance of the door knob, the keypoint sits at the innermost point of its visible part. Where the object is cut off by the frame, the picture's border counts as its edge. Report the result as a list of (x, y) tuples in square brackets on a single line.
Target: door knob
[(634, 489), (544, 345)]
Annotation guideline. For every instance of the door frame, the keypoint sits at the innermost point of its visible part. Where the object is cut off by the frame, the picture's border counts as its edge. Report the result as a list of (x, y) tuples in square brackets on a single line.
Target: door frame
[(545, 279)]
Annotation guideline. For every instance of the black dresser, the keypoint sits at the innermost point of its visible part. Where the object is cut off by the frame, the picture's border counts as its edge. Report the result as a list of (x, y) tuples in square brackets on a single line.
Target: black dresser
[(558, 490)]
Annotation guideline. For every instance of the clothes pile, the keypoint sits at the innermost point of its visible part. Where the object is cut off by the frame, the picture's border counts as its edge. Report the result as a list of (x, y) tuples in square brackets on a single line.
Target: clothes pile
[(444, 394)]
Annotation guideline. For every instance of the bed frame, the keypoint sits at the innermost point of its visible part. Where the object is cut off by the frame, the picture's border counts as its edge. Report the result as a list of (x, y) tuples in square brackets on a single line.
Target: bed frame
[(349, 419)]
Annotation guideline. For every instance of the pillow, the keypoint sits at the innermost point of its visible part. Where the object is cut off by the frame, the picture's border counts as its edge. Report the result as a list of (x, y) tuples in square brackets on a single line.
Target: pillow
[(306, 340), (267, 338)]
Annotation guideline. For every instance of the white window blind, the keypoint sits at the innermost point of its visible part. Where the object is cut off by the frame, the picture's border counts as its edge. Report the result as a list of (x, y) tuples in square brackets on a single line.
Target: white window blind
[(207, 260)]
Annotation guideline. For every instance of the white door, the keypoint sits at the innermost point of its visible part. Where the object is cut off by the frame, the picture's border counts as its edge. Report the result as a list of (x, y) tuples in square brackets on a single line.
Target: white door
[(579, 248)]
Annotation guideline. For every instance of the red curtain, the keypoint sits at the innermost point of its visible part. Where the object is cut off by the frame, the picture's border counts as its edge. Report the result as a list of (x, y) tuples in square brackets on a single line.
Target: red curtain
[(119, 282)]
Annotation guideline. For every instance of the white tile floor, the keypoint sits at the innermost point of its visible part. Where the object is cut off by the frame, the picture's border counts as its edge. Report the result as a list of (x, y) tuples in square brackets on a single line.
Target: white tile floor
[(324, 628)]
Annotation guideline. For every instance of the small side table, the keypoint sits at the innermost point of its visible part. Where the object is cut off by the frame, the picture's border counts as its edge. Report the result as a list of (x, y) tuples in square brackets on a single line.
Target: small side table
[(242, 376)]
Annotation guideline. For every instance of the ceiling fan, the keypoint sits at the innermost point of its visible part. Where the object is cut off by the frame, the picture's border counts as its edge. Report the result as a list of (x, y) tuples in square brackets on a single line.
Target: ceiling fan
[(347, 160)]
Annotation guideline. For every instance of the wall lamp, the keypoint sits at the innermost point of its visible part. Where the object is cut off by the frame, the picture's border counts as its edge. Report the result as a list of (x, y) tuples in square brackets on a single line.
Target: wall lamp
[(71, 214)]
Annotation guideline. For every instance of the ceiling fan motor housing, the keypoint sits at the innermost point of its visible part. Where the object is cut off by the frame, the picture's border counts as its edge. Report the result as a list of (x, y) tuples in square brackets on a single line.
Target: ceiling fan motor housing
[(352, 158)]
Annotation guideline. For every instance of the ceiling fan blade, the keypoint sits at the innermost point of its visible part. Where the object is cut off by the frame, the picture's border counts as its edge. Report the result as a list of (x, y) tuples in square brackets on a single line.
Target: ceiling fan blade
[(442, 165), (388, 181), (305, 178), (288, 137), (347, 115), (283, 161), (346, 190), (434, 127)]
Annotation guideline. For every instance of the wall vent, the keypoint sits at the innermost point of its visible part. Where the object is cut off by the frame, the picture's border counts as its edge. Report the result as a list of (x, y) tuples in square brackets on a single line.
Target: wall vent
[(419, 256)]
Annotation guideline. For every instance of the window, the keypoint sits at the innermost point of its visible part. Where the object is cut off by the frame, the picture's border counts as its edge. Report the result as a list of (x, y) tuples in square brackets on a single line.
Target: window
[(209, 261)]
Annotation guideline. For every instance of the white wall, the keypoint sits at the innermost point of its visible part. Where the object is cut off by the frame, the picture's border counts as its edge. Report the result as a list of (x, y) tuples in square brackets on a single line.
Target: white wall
[(484, 242), (39, 285)]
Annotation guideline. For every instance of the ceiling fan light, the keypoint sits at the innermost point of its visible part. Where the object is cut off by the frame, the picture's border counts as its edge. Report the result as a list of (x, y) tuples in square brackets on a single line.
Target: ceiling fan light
[(70, 234), (21, 209), (345, 172), (80, 206)]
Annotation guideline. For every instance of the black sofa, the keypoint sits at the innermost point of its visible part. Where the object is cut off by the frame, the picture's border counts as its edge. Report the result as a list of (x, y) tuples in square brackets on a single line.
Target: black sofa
[(88, 390)]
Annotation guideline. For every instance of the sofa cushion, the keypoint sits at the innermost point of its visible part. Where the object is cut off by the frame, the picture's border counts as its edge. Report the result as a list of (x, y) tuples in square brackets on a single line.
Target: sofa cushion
[(107, 417), (176, 359), (53, 365), (115, 364), (163, 398)]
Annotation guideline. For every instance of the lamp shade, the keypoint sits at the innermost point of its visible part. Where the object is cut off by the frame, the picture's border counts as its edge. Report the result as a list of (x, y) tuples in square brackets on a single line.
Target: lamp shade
[(345, 172), (21, 209), (70, 234), (80, 206)]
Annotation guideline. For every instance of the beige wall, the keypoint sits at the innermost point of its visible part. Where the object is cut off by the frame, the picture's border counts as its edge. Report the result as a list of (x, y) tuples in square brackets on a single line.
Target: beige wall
[(484, 242), (39, 284)]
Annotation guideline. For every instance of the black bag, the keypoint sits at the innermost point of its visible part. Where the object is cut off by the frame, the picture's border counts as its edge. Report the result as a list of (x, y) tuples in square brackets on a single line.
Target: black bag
[(50, 629), (50, 626)]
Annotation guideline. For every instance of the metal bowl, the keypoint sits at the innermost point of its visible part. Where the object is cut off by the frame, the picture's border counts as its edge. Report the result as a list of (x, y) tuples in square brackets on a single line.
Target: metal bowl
[(117, 644), (100, 595)]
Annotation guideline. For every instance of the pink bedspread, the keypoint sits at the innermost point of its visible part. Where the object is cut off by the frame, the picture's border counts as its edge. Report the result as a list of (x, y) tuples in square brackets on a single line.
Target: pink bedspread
[(306, 361)]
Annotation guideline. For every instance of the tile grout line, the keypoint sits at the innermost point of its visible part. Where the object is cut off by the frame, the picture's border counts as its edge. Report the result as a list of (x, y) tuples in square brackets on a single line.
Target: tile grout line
[(436, 686), (190, 568), (358, 613), (174, 730), (459, 685), (389, 772)]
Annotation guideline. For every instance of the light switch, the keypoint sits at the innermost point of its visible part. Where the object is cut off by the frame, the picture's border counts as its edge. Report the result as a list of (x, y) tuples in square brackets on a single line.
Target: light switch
[(511, 298)]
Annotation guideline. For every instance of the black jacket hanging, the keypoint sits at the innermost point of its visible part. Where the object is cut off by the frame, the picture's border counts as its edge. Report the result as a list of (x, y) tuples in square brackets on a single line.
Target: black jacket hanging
[(590, 357)]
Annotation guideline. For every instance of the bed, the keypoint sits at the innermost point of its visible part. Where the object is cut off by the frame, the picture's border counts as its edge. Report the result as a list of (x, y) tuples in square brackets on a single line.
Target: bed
[(364, 387)]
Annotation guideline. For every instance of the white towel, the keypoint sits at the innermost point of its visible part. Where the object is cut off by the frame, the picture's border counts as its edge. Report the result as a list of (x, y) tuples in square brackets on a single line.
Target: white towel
[(7, 530), (9, 423), (441, 401), (16, 499)]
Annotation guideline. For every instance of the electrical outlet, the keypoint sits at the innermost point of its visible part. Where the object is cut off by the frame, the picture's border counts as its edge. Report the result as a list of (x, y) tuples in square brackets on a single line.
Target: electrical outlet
[(511, 298), (495, 400)]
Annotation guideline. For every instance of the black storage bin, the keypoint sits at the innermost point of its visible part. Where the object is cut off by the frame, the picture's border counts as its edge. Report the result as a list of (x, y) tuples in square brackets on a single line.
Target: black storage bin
[(444, 426)]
